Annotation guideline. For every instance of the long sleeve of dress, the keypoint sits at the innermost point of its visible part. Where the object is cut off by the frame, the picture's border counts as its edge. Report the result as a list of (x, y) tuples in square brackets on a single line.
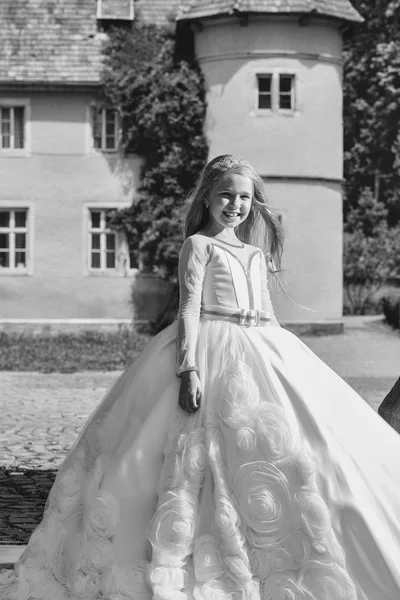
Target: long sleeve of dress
[(193, 259), (266, 303)]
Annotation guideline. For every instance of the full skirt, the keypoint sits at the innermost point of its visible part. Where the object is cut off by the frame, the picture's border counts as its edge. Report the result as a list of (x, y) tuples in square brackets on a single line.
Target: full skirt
[(284, 485)]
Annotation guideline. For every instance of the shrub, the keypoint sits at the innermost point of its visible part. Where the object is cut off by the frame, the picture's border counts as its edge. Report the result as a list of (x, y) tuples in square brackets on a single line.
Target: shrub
[(391, 308), (365, 268)]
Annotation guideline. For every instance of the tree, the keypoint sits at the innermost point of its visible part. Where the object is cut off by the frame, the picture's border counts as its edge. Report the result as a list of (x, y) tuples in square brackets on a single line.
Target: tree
[(151, 76), (372, 106), (371, 251)]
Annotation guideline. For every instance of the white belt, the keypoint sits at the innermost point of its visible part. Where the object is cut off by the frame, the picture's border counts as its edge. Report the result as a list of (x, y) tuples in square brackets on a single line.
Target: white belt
[(242, 316)]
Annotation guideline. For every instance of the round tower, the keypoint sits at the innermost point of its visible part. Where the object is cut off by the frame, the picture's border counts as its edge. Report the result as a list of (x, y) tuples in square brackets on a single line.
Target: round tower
[(273, 75)]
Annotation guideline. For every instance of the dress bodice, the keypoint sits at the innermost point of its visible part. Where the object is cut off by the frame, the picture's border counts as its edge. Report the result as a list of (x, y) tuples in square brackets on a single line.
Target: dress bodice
[(212, 273), (232, 277)]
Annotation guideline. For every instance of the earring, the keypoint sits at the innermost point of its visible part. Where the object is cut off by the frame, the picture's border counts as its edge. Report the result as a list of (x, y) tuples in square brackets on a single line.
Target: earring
[(206, 204)]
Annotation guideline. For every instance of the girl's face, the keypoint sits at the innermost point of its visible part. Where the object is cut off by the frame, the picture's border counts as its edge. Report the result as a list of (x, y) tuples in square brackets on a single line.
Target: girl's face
[(230, 201)]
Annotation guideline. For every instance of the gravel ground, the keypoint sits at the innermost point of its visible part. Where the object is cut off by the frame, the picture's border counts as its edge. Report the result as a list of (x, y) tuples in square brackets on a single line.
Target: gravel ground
[(41, 414)]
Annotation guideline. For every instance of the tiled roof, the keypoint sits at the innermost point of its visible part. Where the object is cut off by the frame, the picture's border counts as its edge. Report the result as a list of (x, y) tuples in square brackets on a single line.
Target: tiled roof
[(338, 9), (57, 41), (158, 12), (49, 41)]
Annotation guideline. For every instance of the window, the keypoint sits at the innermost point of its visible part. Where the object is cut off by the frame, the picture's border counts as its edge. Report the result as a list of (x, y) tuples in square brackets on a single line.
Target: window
[(286, 89), (265, 92), (122, 10), (276, 92), (108, 250), (12, 120), (105, 128), (13, 239)]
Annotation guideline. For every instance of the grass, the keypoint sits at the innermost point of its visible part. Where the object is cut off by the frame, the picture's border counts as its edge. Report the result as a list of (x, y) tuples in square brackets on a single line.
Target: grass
[(67, 353)]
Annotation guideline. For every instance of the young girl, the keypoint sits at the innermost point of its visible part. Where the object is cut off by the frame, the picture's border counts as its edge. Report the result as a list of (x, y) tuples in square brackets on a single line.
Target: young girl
[(238, 467)]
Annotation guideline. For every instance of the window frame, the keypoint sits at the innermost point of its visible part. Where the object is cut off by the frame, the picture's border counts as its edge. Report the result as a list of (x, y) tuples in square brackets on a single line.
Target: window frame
[(100, 17), (29, 232), (117, 129), (121, 245), (275, 75), (292, 93), (24, 103), (261, 76)]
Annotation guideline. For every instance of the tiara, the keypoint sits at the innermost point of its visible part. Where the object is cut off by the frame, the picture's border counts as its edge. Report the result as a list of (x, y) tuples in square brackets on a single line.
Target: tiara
[(228, 161)]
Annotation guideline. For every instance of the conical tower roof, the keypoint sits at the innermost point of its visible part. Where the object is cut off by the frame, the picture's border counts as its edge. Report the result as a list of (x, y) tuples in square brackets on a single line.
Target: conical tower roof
[(341, 10)]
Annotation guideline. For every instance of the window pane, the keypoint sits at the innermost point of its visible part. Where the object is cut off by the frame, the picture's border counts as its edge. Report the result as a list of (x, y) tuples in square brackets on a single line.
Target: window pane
[(95, 215), (110, 116), (264, 84), (5, 141), (96, 126), (20, 259), (95, 263), (20, 241), (4, 240), (4, 260), (110, 128), (264, 101), (20, 218), (110, 142), (95, 241), (285, 102), (285, 83), (110, 241), (19, 127), (110, 260), (6, 128), (4, 218)]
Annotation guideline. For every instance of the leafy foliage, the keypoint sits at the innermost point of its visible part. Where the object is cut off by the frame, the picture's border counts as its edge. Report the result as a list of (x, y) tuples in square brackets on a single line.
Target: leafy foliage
[(371, 252), (151, 77), (372, 106)]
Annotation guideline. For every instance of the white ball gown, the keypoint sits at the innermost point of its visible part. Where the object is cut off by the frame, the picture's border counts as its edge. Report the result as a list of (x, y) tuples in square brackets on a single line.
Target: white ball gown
[(284, 485)]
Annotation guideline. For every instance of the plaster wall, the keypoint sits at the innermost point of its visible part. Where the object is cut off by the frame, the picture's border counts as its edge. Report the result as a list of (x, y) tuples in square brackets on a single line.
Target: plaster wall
[(298, 153), (57, 181)]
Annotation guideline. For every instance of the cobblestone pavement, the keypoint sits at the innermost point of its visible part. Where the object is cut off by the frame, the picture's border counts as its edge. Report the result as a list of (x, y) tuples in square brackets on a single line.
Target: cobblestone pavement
[(41, 415)]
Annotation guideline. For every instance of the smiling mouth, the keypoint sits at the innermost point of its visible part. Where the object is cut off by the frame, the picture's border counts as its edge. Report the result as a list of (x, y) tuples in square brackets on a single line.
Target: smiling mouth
[(232, 214)]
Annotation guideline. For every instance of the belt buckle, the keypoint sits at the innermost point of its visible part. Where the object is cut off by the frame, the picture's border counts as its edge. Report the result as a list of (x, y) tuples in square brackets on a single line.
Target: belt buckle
[(250, 317)]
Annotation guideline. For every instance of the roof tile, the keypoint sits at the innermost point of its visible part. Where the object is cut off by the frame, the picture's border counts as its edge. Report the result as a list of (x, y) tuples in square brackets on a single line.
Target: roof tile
[(158, 12), (54, 41), (49, 41), (337, 9)]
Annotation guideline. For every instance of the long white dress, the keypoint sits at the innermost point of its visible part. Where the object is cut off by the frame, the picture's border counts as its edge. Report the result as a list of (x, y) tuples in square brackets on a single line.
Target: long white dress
[(284, 485)]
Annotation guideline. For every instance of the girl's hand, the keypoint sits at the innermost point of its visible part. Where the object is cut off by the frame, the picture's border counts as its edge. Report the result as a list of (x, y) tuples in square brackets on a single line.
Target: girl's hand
[(190, 391)]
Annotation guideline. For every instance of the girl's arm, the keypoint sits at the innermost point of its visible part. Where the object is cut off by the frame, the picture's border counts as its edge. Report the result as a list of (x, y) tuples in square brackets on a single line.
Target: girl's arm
[(193, 259), (266, 303)]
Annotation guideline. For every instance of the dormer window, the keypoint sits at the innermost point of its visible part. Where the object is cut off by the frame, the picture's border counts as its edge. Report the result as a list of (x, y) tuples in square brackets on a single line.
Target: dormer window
[(115, 10)]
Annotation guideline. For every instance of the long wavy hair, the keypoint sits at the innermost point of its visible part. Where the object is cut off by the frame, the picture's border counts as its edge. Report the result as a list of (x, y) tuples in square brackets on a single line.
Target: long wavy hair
[(262, 227)]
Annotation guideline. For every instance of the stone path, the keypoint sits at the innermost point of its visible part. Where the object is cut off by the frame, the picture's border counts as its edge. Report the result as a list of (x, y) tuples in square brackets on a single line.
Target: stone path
[(41, 415)]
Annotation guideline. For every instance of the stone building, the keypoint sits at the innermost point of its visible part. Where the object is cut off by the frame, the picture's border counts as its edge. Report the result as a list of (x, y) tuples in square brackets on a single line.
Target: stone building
[(273, 73)]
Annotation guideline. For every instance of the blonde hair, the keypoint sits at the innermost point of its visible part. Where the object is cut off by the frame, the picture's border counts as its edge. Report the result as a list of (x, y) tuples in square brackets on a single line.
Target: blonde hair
[(262, 228)]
